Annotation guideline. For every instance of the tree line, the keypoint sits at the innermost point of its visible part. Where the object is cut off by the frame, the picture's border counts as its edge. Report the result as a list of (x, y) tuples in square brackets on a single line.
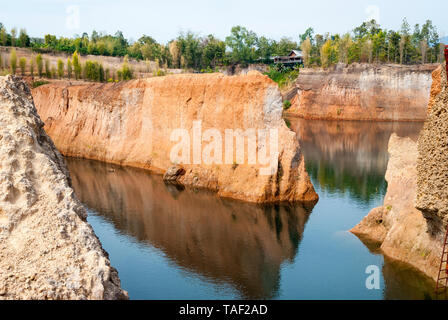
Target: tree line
[(73, 68), (367, 43)]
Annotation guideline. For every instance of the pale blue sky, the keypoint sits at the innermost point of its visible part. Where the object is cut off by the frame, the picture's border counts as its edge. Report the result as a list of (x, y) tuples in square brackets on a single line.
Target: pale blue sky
[(163, 19)]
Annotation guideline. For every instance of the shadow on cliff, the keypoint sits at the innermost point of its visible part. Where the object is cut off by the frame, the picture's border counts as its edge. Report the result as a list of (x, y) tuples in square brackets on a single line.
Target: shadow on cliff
[(228, 241)]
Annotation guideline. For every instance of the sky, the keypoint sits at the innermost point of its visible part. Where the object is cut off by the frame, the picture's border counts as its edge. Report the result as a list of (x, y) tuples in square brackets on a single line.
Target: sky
[(164, 19)]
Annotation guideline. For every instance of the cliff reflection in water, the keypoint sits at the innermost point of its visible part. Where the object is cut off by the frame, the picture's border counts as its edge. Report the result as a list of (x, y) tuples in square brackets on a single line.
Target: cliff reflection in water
[(350, 157), (241, 244)]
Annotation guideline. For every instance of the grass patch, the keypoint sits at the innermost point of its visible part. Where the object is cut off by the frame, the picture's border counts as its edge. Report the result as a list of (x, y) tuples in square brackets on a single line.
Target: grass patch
[(39, 83)]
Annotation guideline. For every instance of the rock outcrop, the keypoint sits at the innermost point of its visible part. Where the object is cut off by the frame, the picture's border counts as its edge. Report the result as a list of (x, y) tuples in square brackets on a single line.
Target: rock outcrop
[(432, 164), (47, 249), (363, 92), (398, 226), (131, 123), (410, 226)]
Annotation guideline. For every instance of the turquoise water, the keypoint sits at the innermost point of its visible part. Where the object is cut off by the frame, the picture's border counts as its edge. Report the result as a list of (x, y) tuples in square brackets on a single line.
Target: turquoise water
[(175, 243)]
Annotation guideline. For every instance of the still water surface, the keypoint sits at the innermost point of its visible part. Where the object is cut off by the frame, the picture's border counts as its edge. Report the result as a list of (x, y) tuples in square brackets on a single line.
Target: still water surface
[(169, 243)]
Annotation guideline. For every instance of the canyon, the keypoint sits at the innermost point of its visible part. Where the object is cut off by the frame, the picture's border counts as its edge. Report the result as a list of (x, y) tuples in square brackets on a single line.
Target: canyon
[(411, 224), (362, 92), (47, 248), (131, 123)]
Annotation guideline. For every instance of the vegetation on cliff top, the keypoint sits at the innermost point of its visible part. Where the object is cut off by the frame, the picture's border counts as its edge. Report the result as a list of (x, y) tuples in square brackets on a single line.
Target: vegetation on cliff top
[(366, 43)]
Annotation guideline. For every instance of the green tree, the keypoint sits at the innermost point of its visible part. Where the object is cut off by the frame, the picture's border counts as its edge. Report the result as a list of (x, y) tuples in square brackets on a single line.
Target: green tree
[(190, 50), (242, 45), (76, 65), (32, 67), (3, 36), (309, 33), (69, 68), (13, 61), (22, 64), (60, 68), (285, 45), (126, 71), (266, 49), (47, 68), (213, 51), (24, 40), (405, 42), (368, 28), (13, 37), (39, 63)]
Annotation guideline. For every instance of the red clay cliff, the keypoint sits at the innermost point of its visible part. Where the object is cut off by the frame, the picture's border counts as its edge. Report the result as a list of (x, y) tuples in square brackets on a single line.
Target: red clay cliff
[(130, 123)]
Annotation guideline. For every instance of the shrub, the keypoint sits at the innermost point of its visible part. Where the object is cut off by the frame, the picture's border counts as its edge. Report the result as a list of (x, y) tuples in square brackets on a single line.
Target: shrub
[(53, 72), (47, 69), (32, 67), (69, 68), (39, 63), (283, 76), (93, 71), (39, 83), (286, 104), (22, 64), (60, 68), (13, 61), (76, 65), (126, 71)]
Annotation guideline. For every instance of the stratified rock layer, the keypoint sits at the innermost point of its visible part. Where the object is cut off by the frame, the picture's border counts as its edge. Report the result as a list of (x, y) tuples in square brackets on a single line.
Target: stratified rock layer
[(432, 164), (363, 92), (131, 123), (47, 249)]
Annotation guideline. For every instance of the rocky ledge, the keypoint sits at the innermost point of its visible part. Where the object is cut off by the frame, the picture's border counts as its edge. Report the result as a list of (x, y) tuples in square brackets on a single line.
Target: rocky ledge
[(47, 249)]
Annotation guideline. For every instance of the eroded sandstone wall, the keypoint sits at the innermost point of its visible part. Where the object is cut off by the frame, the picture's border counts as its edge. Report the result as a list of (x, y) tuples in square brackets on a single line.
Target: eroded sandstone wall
[(432, 164), (410, 226), (47, 249), (398, 226), (130, 123), (363, 92)]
